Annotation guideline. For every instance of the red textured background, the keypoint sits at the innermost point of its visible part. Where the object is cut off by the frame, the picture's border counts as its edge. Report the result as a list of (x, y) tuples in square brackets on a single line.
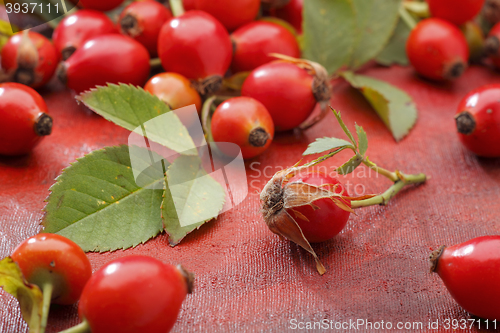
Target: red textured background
[(247, 279)]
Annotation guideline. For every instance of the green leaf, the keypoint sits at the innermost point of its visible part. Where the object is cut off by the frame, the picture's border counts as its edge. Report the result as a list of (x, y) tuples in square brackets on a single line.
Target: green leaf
[(191, 198), (376, 21), (344, 127), (362, 139), (347, 33), (394, 106), (395, 51), (325, 144), (97, 203), (29, 295), (329, 32), (133, 108), (350, 165)]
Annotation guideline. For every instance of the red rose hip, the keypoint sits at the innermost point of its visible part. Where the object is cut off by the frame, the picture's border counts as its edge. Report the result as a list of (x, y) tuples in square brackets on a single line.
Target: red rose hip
[(75, 29), (289, 92), (198, 47), (437, 50), (106, 59), (326, 219), (23, 119), (254, 42), (134, 294), (50, 259), (471, 271), (478, 121), (101, 5), (292, 13), (245, 122), (232, 14), (29, 58), (455, 11), (143, 21)]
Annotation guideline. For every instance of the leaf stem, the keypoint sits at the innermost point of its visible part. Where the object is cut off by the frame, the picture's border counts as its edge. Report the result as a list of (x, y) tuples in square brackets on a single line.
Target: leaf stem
[(176, 7), (384, 198), (386, 173), (83, 327), (407, 18), (47, 297)]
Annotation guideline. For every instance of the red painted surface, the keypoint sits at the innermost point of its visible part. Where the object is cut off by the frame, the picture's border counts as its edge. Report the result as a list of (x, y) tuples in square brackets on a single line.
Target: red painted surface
[(249, 280)]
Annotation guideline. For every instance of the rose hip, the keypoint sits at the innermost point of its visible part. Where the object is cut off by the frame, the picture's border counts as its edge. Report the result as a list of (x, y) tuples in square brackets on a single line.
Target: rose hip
[(75, 29), (478, 121), (106, 59), (198, 47), (24, 119), (29, 58), (254, 42), (244, 122), (232, 14), (143, 21), (306, 85), (471, 271), (437, 50)]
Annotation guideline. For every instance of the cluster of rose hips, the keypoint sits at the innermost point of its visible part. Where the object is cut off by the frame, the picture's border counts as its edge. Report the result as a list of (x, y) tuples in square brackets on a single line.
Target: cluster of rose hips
[(197, 52), (195, 49), (440, 47), (129, 294), (437, 47)]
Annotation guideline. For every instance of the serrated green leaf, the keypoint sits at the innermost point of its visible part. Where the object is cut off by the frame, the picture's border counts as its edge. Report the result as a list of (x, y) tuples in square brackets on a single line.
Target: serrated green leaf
[(375, 24), (394, 106), (350, 165), (131, 108), (395, 51), (326, 144), (329, 30), (344, 127), (362, 140), (29, 295), (191, 199), (347, 33), (97, 203)]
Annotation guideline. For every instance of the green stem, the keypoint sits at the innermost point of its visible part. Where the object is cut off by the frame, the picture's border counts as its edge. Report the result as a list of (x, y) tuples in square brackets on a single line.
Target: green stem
[(176, 7), (47, 297), (83, 327), (386, 173), (421, 9), (407, 18), (384, 198), (155, 62)]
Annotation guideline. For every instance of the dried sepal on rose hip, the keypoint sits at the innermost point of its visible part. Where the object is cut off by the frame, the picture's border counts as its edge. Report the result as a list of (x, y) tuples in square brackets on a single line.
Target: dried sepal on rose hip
[(290, 190), (280, 197), (29, 58)]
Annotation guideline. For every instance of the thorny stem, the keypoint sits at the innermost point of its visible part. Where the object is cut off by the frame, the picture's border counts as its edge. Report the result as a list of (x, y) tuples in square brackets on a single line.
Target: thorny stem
[(383, 199), (83, 327), (176, 7), (47, 297)]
